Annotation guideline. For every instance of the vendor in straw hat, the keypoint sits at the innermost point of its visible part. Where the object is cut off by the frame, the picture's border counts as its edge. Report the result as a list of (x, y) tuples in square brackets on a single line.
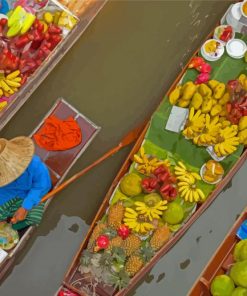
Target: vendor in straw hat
[(24, 180)]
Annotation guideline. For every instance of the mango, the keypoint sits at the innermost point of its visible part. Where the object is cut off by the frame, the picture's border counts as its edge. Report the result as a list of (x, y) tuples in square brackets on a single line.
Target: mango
[(183, 103), (242, 123), (174, 95), (213, 83), (196, 101), (219, 91), (243, 136), (188, 91), (216, 110), (204, 90)]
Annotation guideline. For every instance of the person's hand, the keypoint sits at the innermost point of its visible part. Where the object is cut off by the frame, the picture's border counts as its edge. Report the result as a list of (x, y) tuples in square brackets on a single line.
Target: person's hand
[(19, 215)]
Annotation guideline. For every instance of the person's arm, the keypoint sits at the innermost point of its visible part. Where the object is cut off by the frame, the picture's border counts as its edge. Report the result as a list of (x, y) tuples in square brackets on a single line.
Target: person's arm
[(39, 186)]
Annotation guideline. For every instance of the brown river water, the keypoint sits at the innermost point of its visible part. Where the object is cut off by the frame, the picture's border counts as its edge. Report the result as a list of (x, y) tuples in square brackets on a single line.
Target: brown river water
[(116, 74)]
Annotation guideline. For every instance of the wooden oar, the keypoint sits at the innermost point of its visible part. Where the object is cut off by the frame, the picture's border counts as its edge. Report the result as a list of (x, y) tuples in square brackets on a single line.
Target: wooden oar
[(127, 140)]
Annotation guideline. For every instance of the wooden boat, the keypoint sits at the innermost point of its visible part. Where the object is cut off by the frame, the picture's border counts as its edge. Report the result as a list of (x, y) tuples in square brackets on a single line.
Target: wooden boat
[(85, 17), (221, 261), (59, 164), (73, 273)]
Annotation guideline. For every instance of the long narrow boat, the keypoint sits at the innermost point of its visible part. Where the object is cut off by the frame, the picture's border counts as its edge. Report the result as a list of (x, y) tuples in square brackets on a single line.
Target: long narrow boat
[(59, 164), (159, 144), (84, 16), (221, 261)]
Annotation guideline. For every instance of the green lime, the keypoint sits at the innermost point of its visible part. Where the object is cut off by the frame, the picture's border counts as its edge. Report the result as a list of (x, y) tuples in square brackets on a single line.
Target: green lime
[(130, 185), (222, 285), (152, 199), (239, 273), (239, 291), (238, 250), (174, 213)]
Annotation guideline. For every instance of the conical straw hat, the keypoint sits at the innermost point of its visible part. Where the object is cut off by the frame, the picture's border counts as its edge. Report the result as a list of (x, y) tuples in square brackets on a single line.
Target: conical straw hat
[(15, 156)]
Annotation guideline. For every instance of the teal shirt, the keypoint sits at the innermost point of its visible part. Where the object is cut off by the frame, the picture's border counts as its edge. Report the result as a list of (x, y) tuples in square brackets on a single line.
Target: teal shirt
[(31, 186)]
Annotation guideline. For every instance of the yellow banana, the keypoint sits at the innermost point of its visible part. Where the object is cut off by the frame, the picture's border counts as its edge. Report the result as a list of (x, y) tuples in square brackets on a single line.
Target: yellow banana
[(196, 176), (182, 165), (191, 196), (180, 184), (201, 193), (187, 178), (13, 74), (186, 197), (5, 87), (142, 151), (12, 83), (191, 114), (183, 193), (196, 196), (17, 79), (138, 159)]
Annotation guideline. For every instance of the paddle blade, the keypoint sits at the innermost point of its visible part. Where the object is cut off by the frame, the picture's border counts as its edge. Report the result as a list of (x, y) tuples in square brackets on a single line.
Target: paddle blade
[(132, 135)]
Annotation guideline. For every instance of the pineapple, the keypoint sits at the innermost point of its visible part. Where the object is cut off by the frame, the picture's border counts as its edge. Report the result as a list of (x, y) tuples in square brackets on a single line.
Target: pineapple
[(98, 229), (115, 242), (115, 215), (160, 237), (133, 265), (131, 244)]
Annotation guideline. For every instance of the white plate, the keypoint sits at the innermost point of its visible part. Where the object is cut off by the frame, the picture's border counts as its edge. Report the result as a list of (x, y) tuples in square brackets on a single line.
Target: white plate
[(209, 57), (223, 26), (202, 170), (236, 48), (241, 8)]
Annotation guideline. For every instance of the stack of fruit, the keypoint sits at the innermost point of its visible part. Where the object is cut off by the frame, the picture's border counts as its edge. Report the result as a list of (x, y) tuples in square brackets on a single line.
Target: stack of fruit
[(187, 185), (10, 84), (59, 18), (145, 210), (210, 98), (234, 284), (146, 164), (208, 123), (115, 251), (237, 106), (27, 39)]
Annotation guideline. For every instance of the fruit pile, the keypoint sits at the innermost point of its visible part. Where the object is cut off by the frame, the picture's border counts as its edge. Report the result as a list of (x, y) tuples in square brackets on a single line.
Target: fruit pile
[(237, 106), (148, 209), (234, 284), (187, 185), (216, 113), (27, 38), (147, 164), (10, 84)]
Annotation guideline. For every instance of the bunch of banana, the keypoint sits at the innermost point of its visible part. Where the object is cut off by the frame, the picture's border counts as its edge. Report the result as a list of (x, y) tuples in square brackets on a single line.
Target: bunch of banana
[(152, 212), (10, 84), (147, 164), (209, 132), (184, 175), (195, 123), (187, 184), (190, 192), (227, 141)]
